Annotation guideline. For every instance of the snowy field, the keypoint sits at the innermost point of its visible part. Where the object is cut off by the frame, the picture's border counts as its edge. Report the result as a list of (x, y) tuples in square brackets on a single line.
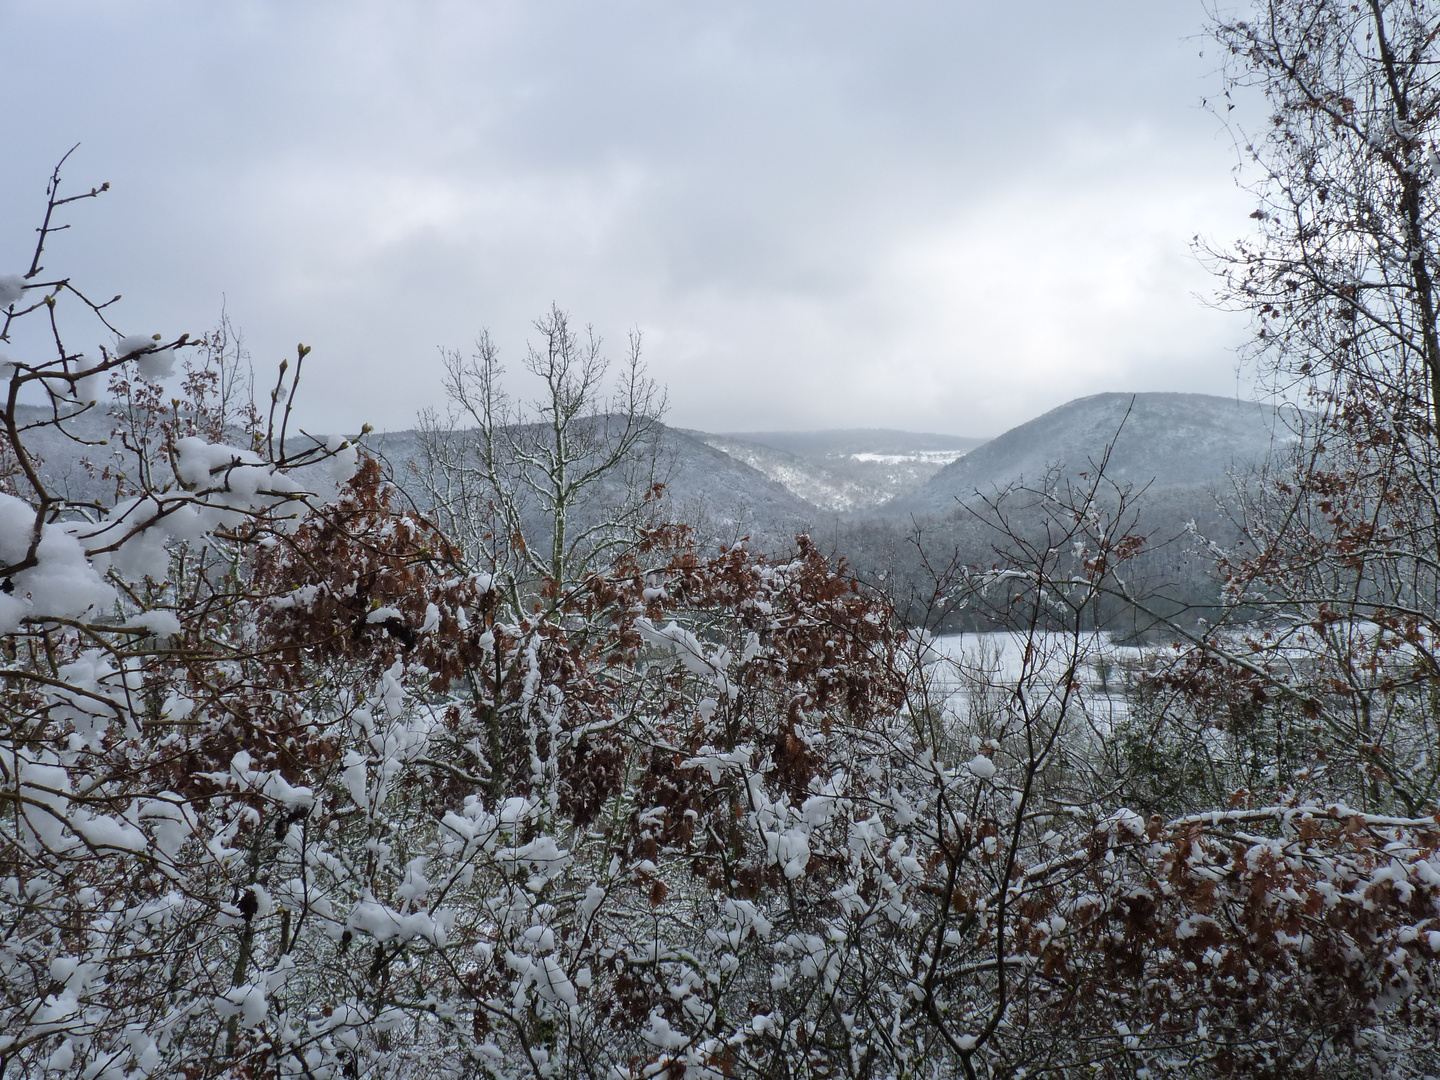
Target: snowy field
[(968, 667)]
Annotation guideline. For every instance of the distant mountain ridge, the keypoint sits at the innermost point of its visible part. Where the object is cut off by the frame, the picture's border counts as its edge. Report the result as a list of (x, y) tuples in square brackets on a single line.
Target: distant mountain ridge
[(848, 441), (843, 470), (1168, 441), (1178, 449), (720, 495), (773, 485), (896, 505)]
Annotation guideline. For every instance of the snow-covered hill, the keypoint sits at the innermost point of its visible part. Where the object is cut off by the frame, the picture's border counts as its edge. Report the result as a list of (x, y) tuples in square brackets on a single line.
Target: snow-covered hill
[(843, 470), (1169, 442), (722, 496), (771, 485)]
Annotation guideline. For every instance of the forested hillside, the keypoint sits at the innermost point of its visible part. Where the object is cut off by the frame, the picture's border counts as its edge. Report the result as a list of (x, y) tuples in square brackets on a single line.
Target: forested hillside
[(844, 470), (1160, 442), (890, 501), (1181, 465)]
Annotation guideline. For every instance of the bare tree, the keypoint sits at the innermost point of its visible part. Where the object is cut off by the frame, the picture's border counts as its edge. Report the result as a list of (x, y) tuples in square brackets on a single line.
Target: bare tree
[(538, 492), (1340, 278), (1340, 538)]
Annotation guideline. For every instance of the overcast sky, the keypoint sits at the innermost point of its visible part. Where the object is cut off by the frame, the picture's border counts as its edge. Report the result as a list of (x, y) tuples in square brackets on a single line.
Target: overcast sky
[(942, 216)]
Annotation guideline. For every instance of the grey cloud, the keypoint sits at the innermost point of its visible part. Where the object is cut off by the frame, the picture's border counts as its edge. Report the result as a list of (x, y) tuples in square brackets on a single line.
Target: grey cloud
[(940, 215)]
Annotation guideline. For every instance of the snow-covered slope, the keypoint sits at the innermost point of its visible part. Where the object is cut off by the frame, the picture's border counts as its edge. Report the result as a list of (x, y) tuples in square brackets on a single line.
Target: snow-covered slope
[(1167, 441), (722, 496), (771, 485), (843, 470)]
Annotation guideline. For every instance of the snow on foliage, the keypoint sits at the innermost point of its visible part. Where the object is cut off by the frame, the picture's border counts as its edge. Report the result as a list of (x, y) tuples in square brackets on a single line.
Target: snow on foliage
[(12, 288), (300, 786)]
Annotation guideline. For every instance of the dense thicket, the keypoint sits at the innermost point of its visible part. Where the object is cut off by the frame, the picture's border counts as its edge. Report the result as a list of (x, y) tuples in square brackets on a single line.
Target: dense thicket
[(300, 781)]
